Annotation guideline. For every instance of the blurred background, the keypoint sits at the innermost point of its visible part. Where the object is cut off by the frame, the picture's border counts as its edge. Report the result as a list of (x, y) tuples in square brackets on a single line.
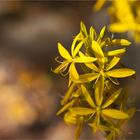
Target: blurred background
[(29, 91)]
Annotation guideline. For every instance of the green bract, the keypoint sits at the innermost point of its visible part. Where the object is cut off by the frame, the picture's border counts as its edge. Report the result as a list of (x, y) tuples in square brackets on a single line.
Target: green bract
[(94, 93)]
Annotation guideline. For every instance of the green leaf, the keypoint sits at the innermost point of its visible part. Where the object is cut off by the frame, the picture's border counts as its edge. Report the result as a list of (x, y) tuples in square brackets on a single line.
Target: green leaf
[(112, 98), (87, 96), (120, 73), (63, 52), (115, 114), (82, 110), (112, 63)]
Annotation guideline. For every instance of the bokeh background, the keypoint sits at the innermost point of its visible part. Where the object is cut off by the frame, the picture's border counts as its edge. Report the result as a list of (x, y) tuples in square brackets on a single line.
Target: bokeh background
[(29, 91)]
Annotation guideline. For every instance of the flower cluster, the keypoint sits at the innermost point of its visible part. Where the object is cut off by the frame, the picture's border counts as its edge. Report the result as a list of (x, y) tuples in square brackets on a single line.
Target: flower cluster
[(94, 94), (125, 16)]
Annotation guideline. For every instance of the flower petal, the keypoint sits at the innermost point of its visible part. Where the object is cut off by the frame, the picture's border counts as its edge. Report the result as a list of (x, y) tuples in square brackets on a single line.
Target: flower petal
[(92, 66), (112, 98), (65, 107), (116, 52), (68, 94), (73, 72), (61, 67), (112, 63), (115, 114), (84, 78), (85, 59), (87, 96), (74, 43), (63, 52), (97, 49), (120, 73), (120, 42), (82, 110)]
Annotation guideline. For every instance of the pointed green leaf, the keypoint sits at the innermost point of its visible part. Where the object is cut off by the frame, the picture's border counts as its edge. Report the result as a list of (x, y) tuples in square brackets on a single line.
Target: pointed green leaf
[(112, 98), (115, 114)]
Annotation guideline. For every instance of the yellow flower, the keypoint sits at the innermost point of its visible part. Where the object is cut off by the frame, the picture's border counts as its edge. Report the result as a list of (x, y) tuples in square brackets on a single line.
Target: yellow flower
[(72, 59), (103, 70), (99, 110)]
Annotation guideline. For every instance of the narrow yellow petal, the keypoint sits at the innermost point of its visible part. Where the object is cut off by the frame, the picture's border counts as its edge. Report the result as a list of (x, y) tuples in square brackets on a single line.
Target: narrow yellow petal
[(121, 42), (87, 96), (116, 52), (112, 98), (101, 35), (63, 52), (83, 28), (92, 33), (74, 43), (65, 107), (68, 94), (79, 127), (112, 63), (77, 48), (97, 49), (61, 67), (82, 110), (92, 66), (73, 72), (84, 78), (99, 87), (115, 114), (70, 118), (84, 59), (120, 73)]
